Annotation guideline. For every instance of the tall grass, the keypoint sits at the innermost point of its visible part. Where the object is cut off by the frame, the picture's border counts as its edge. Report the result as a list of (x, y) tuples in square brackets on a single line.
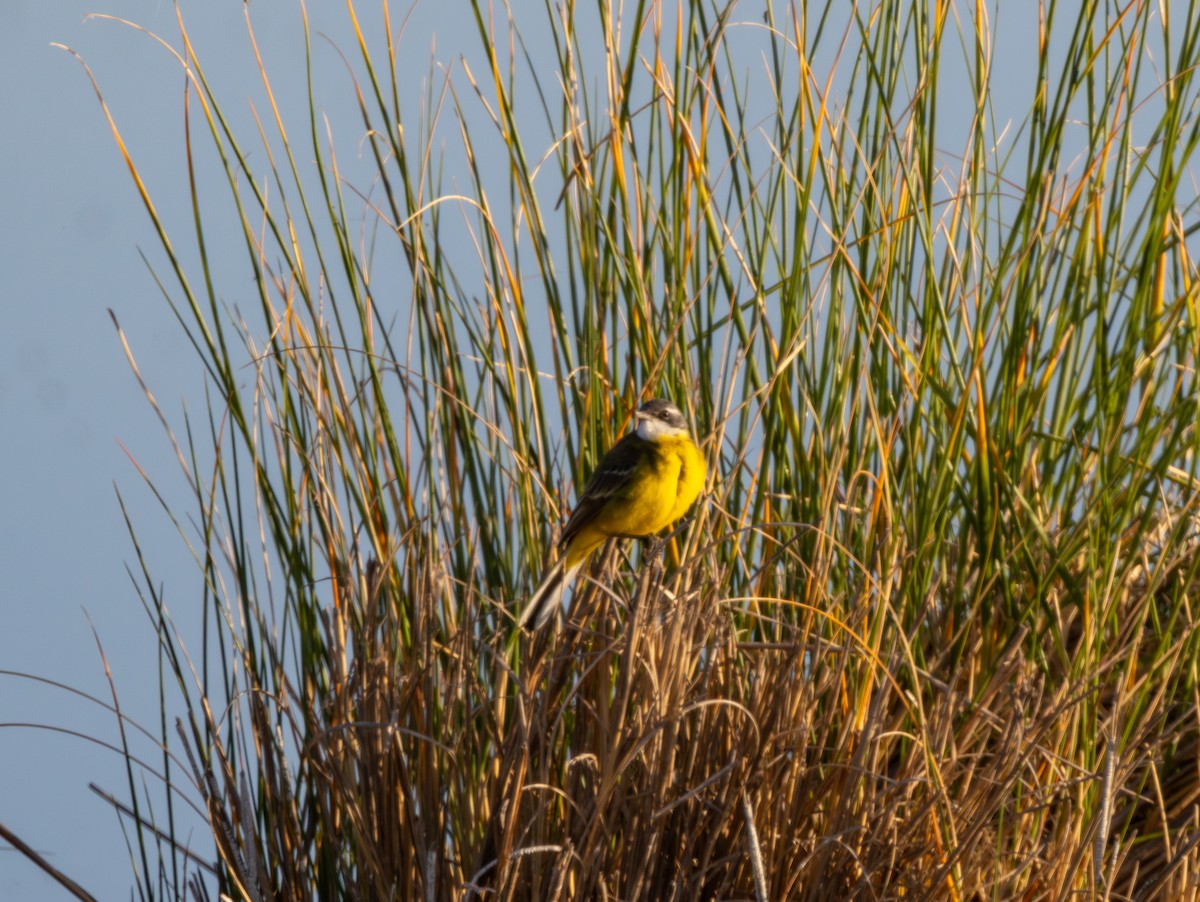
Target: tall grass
[(929, 632)]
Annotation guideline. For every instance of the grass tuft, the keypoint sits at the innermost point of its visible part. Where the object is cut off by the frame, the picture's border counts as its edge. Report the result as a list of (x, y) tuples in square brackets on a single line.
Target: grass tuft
[(928, 634)]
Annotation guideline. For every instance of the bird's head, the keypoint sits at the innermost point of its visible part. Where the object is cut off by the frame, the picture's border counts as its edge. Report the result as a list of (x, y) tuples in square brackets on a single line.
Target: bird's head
[(659, 418)]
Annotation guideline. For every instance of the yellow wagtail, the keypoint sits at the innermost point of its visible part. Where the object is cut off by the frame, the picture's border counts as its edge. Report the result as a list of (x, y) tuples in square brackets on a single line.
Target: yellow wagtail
[(645, 483)]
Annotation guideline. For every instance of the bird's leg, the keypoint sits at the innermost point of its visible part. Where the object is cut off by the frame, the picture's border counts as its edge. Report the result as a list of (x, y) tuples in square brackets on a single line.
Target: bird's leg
[(658, 544), (651, 570), (654, 557)]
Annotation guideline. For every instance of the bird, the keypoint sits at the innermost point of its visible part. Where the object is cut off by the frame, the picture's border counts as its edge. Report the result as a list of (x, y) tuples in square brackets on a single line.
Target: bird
[(646, 482)]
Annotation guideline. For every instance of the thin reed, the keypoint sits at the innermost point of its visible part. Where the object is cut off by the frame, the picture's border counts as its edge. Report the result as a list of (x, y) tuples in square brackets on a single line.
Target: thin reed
[(929, 632)]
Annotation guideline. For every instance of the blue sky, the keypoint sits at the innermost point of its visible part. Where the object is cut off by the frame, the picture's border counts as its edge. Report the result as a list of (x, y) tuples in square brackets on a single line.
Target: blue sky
[(67, 253), (71, 233)]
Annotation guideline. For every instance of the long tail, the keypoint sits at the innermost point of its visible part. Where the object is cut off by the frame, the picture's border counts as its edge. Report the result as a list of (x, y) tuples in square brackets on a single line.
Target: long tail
[(547, 600)]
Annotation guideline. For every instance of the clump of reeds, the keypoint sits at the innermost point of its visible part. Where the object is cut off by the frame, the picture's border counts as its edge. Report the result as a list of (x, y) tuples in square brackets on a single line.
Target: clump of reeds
[(929, 633)]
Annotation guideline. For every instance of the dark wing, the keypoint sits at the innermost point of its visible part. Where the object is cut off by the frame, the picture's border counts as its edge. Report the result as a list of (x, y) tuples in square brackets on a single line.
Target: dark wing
[(611, 479)]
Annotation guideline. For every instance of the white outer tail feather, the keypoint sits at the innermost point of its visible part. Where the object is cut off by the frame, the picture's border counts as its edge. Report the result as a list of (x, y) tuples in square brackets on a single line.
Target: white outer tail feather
[(546, 600)]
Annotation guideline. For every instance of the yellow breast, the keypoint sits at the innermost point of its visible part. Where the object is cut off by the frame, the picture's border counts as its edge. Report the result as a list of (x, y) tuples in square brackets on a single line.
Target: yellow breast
[(691, 474)]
